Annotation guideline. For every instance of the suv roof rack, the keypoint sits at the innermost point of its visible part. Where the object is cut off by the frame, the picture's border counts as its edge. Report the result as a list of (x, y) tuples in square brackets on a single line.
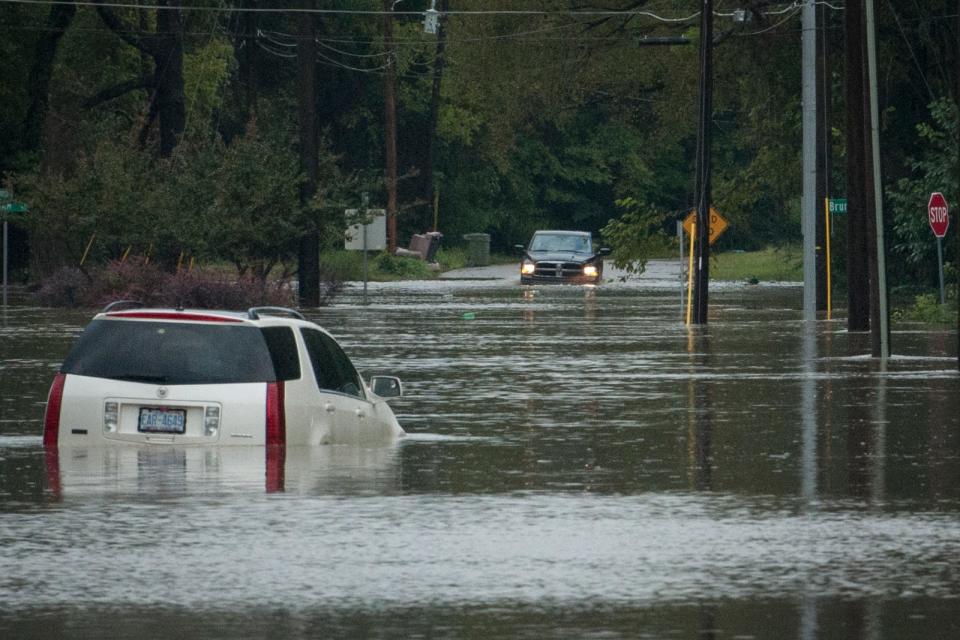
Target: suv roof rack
[(124, 304), (254, 313)]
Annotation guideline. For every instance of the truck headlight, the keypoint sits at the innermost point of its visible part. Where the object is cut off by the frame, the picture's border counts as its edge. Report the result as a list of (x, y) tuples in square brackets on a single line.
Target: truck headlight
[(527, 268), (590, 270)]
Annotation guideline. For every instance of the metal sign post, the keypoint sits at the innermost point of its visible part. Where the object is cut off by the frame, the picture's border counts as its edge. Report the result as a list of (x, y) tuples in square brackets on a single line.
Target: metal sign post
[(8, 206), (682, 274), (5, 252), (367, 231)]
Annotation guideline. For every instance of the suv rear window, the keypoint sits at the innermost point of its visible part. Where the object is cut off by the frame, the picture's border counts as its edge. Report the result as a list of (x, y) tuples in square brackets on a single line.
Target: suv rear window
[(182, 353)]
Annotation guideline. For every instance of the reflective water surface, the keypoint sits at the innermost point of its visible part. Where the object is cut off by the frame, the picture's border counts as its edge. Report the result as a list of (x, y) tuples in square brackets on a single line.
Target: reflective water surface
[(578, 465)]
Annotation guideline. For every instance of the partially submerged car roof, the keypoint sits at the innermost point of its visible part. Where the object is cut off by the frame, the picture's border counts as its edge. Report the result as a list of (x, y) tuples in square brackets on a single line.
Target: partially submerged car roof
[(559, 231), (132, 310)]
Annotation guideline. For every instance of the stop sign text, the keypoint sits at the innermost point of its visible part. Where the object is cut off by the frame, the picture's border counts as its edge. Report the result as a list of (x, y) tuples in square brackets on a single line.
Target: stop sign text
[(938, 214)]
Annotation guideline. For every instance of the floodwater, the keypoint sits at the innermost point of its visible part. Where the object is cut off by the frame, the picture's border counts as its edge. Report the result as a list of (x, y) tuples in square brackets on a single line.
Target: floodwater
[(579, 465)]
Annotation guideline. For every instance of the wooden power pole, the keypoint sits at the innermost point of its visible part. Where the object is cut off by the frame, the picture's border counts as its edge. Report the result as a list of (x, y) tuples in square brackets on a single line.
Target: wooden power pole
[(701, 264), (390, 124), (308, 271)]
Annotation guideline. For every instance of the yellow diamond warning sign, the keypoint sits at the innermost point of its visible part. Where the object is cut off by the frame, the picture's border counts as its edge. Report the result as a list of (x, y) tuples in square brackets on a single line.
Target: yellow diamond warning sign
[(717, 224)]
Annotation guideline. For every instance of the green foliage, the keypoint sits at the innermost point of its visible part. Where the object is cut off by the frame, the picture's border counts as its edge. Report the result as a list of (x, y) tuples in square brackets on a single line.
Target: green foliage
[(772, 264), (451, 258), (933, 170), (927, 308), (544, 121), (348, 265), (205, 72), (239, 203), (399, 267), (636, 236), (256, 216)]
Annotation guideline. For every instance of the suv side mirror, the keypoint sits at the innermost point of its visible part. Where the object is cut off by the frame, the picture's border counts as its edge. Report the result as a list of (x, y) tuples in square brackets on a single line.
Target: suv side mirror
[(386, 386)]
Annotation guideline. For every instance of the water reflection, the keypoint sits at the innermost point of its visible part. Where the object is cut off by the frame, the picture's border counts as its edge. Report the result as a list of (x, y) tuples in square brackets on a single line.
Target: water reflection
[(78, 472)]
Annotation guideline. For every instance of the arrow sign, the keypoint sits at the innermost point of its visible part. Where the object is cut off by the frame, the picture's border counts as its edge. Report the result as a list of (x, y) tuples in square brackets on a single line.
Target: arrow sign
[(938, 214)]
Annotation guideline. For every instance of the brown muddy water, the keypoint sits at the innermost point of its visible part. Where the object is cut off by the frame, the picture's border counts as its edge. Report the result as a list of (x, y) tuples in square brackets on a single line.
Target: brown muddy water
[(578, 465)]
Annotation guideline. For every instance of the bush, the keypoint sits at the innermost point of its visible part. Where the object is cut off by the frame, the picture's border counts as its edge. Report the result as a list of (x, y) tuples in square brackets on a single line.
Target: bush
[(343, 265), (927, 308), (402, 267), (452, 258), (146, 283)]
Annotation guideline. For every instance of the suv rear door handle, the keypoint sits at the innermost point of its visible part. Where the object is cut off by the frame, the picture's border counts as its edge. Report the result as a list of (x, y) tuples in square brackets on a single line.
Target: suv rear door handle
[(361, 413), (330, 408)]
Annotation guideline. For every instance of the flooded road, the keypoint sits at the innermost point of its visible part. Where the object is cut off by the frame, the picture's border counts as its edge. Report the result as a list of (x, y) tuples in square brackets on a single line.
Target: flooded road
[(579, 464)]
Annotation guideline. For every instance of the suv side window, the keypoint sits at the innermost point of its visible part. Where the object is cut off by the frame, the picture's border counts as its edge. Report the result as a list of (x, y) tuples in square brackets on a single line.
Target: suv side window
[(333, 370), (283, 352)]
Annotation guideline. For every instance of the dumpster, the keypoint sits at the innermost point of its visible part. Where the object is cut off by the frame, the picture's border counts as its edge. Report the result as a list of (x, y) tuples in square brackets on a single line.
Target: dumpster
[(478, 249)]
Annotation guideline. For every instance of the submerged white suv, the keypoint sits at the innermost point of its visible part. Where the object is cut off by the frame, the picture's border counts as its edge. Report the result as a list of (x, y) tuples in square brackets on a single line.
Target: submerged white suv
[(175, 376)]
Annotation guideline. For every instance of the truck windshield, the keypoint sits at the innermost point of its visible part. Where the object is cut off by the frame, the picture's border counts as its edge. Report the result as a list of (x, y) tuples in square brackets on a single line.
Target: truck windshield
[(183, 353), (560, 242)]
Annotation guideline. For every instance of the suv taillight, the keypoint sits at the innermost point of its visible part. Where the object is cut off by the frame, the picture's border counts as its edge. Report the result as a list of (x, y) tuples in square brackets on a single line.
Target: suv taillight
[(276, 416), (51, 420), (111, 416), (211, 421)]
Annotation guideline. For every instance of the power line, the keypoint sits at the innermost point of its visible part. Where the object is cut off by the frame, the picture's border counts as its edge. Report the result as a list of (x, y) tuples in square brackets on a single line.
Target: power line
[(374, 12), (360, 12)]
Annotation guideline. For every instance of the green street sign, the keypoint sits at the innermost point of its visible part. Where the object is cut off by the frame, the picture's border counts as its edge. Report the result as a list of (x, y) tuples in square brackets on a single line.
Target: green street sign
[(14, 207), (838, 205)]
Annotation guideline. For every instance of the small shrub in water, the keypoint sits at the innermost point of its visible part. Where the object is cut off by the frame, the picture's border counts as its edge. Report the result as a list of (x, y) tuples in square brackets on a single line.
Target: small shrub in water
[(146, 283)]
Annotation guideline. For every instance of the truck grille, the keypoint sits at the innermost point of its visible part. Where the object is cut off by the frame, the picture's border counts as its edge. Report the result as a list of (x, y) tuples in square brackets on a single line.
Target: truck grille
[(557, 269)]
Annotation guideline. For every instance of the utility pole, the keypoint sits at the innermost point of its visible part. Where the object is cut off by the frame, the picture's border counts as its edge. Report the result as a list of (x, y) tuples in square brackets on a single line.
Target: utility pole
[(808, 201), (390, 124), (824, 148), (858, 287), (702, 182), (880, 287), (956, 100), (308, 267), (430, 187)]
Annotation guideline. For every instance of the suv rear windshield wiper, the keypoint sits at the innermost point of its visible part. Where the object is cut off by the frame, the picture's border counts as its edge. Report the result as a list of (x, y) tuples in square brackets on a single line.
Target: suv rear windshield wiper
[(140, 377)]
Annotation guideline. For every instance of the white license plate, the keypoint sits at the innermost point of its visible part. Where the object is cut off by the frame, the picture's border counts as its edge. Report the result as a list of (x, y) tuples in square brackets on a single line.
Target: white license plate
[(161, 420)]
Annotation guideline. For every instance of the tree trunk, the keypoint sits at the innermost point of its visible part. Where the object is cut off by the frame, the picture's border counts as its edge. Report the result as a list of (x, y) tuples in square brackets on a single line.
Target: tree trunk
[(858, 283), (168, 69), (41, 72), (309, 258), (165, 48), (390, 125)]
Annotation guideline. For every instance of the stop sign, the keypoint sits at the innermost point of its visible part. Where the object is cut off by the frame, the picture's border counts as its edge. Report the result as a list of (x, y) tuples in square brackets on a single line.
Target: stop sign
[(937, 212)]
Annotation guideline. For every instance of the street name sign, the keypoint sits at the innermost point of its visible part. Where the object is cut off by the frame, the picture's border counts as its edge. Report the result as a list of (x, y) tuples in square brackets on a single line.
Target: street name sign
[(838, 205)]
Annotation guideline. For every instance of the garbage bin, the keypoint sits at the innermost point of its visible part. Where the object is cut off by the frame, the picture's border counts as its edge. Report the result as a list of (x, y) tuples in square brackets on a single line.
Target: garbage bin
[(478, 249)]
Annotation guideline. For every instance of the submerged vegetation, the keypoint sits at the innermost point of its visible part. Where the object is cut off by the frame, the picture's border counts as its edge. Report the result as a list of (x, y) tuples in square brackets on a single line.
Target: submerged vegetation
[(148, 283)]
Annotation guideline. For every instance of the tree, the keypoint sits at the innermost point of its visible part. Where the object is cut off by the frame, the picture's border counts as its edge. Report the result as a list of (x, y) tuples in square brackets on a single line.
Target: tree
[(165, 48), (58, 22)]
